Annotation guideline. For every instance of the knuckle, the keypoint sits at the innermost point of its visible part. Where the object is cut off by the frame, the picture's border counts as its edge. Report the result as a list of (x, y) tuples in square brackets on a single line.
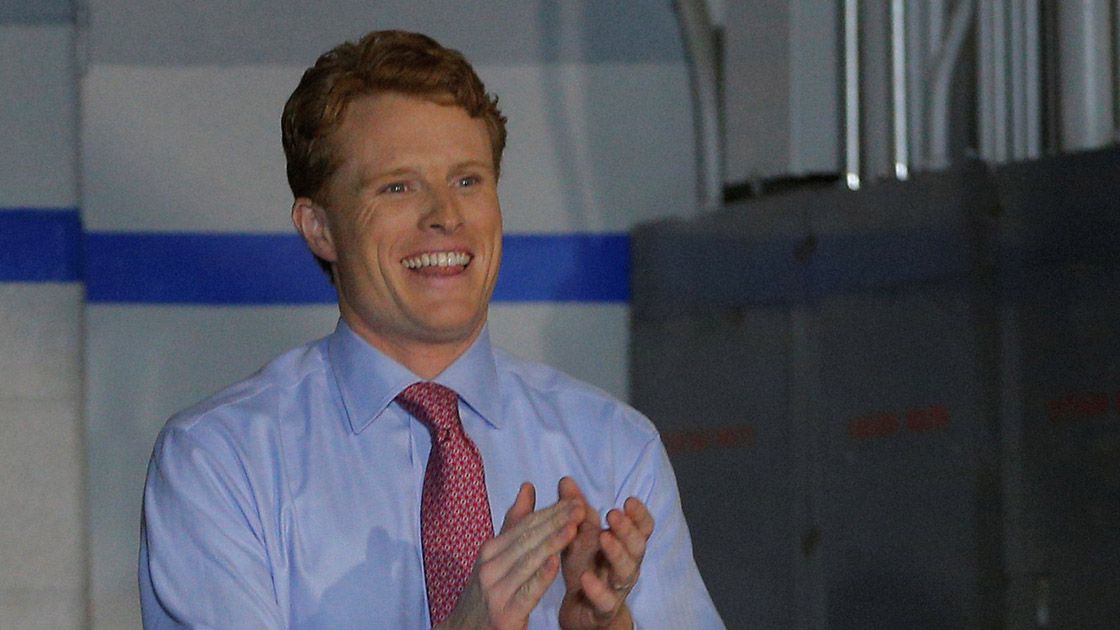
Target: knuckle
[(488, 549), (488, 575), (524, 539)]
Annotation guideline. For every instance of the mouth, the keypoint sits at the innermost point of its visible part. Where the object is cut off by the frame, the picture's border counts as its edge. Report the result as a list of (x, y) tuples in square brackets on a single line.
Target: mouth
[(438, 261)]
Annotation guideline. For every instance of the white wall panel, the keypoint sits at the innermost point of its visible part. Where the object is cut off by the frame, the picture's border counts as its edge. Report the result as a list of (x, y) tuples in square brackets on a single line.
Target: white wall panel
[(38, 117), (781, 98), (588, 341), (174, 149), (595, 147), (40, 344), (198, 148), (42, 610), (42, 539), (41, 494)]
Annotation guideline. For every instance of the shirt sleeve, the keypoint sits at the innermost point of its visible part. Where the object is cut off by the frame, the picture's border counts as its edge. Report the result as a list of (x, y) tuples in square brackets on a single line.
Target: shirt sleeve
[(203, 559), (670, 592)]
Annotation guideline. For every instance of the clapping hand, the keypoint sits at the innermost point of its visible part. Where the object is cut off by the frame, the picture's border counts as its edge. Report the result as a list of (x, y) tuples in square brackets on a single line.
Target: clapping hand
[(514, 569), (601, 566)]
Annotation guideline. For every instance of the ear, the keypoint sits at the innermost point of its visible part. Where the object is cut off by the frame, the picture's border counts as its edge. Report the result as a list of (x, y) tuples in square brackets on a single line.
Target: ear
[(310, 220)]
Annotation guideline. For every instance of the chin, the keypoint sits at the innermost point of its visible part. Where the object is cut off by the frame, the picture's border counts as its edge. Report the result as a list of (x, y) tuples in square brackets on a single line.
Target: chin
[(452, 330)]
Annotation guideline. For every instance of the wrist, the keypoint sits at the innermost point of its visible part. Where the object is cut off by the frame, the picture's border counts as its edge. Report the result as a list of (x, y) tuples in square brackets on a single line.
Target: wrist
[(623, 620)]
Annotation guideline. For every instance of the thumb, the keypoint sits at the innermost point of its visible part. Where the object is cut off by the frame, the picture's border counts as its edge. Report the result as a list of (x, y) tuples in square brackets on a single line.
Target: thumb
[(523, 506)]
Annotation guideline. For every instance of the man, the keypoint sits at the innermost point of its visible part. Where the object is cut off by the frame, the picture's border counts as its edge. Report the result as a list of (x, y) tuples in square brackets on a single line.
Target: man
[(352, 482)]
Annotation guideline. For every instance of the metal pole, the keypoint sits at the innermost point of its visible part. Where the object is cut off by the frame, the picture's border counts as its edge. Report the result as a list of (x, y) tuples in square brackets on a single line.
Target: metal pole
[(1085, 57), (1116, 66), (1032, 81), (1018, 82), (898, 89), (935, 9), (917, 55), (700, 48), (984, 80), (946, 63), (851, 93), (999, 81)]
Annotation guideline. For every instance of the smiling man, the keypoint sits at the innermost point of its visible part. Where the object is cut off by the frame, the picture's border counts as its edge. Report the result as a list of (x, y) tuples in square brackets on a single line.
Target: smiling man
[(354, 482)]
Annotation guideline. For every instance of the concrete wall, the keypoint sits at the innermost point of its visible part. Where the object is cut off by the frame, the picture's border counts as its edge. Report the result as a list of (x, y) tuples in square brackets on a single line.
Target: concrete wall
[(43, 580)]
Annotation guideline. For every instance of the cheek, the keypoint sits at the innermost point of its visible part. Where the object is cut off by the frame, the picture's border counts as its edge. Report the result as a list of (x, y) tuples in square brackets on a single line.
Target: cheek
[(373, 241)]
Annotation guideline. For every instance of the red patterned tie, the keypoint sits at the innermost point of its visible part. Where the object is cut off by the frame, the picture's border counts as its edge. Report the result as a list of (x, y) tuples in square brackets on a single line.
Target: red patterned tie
[(454, 512)]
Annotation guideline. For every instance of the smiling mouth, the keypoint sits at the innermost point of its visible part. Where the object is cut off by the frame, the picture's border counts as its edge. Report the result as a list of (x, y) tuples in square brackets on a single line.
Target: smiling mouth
[(437, 259)]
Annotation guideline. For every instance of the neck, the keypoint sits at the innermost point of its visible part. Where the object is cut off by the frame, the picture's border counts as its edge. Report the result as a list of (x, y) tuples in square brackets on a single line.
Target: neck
[(426, 359)]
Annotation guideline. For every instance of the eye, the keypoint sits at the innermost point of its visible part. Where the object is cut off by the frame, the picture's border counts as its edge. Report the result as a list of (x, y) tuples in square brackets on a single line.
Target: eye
[(468, 180), (395, 188)]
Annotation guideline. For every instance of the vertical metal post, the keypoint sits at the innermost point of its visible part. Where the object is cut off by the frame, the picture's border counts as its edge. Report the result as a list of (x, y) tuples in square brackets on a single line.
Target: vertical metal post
[(1116, 66), (700, 49), (898, 89), (984, 79), (1026, 86), (851, 94), (994, 78), (1032, 81), (1018, 58), (1085, 58), (945, 64), (1000, 109), (917, 56), (935, 12)]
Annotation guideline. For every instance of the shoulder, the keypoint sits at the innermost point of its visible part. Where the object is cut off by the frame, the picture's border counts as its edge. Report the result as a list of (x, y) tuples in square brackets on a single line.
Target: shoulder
[(253, 408), (578, 405)]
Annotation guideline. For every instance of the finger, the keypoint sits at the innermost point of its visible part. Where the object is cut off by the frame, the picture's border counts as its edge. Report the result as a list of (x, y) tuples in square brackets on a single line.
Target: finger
[(623, 565), (626, 531), (567, 488), (519, 546), (531, 590), (582, 553), (522, 506), (640, 514), (529, 531), (604, 599), (529, 593), (527, 567)]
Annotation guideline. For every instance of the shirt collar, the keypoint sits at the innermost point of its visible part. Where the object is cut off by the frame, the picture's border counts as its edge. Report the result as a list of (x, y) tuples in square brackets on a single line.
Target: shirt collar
[(368, 380)]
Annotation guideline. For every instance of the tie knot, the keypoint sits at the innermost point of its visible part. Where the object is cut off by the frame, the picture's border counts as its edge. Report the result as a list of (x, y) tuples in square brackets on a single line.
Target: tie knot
[(433, 404)]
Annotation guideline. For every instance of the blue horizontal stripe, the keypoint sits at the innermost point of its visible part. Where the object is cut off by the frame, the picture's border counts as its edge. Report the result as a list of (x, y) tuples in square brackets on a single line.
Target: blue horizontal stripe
[(191, 268), (564, 268), (40, 245)]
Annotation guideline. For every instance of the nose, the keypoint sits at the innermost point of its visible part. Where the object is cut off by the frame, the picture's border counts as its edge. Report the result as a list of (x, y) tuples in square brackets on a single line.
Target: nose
[(444, 213)]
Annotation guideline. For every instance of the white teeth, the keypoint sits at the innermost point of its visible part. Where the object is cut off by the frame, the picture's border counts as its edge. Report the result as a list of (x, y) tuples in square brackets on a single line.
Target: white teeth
[(438, 259)]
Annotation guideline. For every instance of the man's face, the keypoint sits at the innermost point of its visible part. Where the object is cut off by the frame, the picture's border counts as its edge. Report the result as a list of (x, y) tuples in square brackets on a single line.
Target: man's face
[(414, 217)]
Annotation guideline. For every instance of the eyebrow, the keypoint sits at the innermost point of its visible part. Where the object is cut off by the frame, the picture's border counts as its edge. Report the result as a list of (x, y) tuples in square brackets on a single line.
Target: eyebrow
[(473, 164)]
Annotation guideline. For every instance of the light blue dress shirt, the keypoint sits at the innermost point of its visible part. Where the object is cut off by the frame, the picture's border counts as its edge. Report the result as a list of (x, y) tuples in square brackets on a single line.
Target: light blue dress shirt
[(292, 499)]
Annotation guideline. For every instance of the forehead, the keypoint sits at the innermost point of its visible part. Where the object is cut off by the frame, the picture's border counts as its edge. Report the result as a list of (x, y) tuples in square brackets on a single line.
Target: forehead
[(400, 128)]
